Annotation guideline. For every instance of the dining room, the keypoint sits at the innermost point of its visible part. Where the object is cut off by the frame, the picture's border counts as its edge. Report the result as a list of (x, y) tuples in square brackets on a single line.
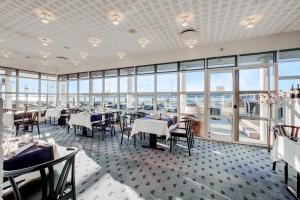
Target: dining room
[(170, 100)]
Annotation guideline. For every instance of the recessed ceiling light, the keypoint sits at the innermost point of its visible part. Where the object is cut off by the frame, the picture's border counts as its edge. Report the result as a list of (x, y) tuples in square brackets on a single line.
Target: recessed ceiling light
[(189, 37), (45, 41), (251, 21), (115, 19), (5, 54), (46, 16), (83, 54), (94, 41), (121, 55), (44, 54), (184, 19), (144, 42)]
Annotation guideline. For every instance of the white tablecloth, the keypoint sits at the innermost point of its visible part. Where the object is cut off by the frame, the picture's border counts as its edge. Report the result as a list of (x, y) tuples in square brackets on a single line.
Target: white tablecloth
[(158, 127), (53, 113), (8, 120), (81, 119), (287, 150)]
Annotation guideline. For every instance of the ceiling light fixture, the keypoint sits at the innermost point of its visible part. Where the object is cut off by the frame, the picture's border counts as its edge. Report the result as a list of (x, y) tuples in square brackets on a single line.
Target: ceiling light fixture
[(45, 41), (45, 62), (121, 55), (44, 54), (144, 42), (189, 37), (116, 19), (46, 16), (83, 54), (250, 21), (5, 54), (184, 19), (94, 41)]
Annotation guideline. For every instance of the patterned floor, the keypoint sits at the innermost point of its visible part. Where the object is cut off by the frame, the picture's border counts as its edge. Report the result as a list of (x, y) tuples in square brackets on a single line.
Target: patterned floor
[(106, 170)]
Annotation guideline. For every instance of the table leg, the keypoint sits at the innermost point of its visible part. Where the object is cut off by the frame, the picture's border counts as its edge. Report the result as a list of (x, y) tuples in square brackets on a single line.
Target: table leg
[(292, 191), (153, 142)]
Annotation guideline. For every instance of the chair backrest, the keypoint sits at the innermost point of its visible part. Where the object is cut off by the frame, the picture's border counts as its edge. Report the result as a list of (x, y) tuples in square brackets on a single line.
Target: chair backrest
[(49, 190), (287, 130), (35, 117), (124, 122)]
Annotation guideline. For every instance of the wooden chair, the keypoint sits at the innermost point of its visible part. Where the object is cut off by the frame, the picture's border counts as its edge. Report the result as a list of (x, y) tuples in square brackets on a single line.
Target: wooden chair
[(51, 186), (182, 133), (22, 120)]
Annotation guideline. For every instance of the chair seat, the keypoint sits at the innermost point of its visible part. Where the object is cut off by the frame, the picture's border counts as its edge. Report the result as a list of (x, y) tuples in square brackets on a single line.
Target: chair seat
[(178, 132)]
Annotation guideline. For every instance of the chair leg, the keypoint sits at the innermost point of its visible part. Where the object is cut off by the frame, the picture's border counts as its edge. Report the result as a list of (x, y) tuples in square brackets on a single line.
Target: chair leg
[(134, 142), (189, 146), (171, 139), (274, 166), (286, 173), (38, 128), (122, 138), (17, 130)]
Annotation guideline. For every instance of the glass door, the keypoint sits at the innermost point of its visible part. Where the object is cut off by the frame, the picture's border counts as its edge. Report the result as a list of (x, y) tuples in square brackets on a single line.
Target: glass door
[(220, 104)]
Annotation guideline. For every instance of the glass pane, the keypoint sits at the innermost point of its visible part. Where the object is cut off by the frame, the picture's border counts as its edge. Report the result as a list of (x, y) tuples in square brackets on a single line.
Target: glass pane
[(220, 103), (84, 75), (113, 72), (62, 87), (171, 67), (192, 104), (286, 85), (127, 102), (256, 59), (28, 74), (111, 101), (97, 101), (253, 131), (127, 71), (145, 83), (73, 86), (7, 71), (127, 84), (9, 101), (48, 86), (97, 74), (145, 102), (192, 65), (290, 55), (84, 101), (167, 103), (84, 86), (221, 82), (250, 105), (8, 83), (145, 69), (192, 81), (111, 85), (62, 77), (97, 85), (29, 100), (221, 62), (72, 76), (220, 126), (72, 100), (48, 100), (289, 68), (28, 85), (254, 79), (62, 100), (167, 82)]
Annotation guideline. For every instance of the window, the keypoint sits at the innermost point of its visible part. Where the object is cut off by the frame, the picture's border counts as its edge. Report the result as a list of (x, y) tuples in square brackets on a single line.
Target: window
[(192, 65), (146, 69), (145, 102), (127, 71), (171, 67), (256, 59), (192, 81), (127, 102), (167, 103), (145, 83), (167, 82), (48, 90), (111, 101), (111, 85), (97, 85), (127, 84), (221, 62)]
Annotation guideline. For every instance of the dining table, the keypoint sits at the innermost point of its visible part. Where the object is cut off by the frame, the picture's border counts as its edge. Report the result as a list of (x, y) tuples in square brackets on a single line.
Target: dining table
[(155, 126), (287, 149)]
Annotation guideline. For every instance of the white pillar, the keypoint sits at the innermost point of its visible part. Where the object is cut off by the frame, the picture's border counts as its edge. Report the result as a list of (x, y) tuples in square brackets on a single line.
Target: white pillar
[(183, 98), (8, 90)]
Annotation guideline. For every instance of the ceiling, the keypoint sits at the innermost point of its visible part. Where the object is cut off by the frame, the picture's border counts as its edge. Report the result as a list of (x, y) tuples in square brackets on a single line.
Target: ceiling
[(76, 21)]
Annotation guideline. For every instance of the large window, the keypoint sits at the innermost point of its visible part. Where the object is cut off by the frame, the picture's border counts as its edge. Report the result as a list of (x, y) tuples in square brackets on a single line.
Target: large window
[(8, 87), (73, 90), (28, 90), (48, 90)]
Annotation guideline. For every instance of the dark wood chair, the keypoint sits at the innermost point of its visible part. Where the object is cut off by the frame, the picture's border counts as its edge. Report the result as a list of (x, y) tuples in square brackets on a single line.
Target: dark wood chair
[(290, 132), (178, 133), (22, 120), (50, 186)]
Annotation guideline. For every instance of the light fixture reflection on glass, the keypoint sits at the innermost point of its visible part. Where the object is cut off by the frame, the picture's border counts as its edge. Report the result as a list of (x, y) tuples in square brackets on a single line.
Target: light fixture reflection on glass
[(94, 41)]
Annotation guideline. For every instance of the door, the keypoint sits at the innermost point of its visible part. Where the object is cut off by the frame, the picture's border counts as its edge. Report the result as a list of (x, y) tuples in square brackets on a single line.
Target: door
[(220, 104)]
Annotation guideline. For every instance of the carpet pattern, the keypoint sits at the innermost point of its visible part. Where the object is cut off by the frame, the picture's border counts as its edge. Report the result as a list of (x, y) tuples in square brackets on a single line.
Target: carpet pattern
[(216, 170)]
